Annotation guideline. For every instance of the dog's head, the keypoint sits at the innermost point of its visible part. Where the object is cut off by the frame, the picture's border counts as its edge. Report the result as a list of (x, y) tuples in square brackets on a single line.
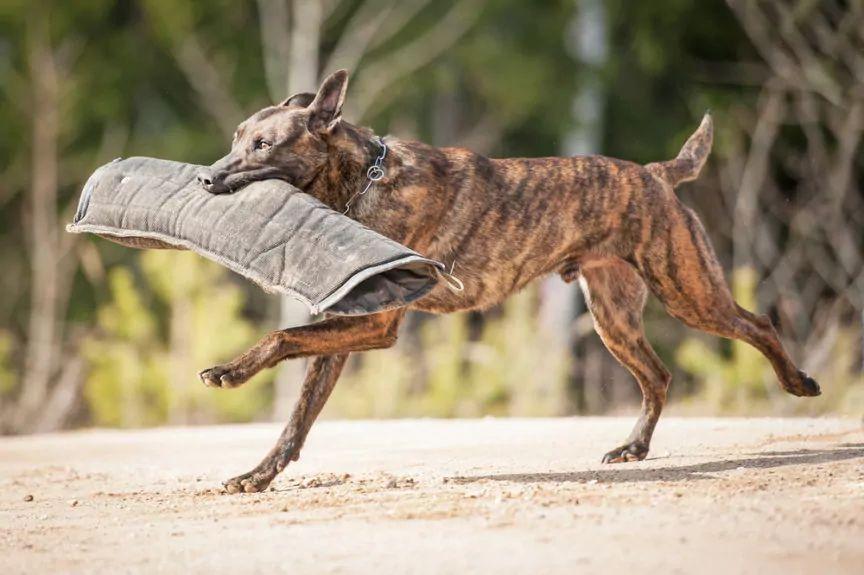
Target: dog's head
[(286, 142)]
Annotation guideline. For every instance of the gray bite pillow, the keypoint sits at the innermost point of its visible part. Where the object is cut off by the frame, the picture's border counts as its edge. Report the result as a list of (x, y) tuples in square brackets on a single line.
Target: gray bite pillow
[(282, 239)]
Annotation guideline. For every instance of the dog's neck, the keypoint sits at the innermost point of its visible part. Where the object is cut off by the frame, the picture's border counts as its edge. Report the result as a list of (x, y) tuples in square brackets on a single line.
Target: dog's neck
[(353, 151)]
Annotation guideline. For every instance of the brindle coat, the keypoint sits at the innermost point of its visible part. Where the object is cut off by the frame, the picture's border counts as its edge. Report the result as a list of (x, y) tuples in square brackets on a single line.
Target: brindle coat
[(615, 226)]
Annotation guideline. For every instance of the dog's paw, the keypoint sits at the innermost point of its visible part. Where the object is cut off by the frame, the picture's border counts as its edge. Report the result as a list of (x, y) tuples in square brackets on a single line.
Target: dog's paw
[(223, 376), (252, 482), (625, 453), (804, 386)]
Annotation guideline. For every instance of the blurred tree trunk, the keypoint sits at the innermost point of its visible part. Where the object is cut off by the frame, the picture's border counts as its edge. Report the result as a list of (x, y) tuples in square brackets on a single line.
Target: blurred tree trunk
[(50, 381), (561, 303), (42, 328), (300, 74)]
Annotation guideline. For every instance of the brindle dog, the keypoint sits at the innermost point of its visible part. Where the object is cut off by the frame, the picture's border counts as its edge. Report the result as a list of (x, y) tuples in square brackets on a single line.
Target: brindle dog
[(615, 226)]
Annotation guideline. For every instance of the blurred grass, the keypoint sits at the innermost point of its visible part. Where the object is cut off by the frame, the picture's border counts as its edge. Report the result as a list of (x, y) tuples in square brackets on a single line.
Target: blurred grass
[(142, 363)]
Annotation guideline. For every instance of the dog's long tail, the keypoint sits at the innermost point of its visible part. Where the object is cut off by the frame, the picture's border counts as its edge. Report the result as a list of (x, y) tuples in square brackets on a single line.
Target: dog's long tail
[(691, 158)]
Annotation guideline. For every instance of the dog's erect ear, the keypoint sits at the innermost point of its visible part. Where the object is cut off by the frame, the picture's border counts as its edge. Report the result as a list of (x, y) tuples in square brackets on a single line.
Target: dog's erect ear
[(301, 99), (326, 108)]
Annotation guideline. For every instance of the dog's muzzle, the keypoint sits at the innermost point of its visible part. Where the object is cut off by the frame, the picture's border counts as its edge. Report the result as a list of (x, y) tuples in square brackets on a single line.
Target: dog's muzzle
[(213, 178), (212, 182)]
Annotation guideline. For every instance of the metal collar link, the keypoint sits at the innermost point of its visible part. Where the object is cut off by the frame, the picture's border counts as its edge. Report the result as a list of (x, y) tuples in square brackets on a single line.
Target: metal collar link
[(376, 172), (373, 174)]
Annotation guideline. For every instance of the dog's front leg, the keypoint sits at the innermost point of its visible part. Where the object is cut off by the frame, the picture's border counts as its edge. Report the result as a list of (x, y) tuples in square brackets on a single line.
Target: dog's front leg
[(331, 336), (321, 377), (331, 340)]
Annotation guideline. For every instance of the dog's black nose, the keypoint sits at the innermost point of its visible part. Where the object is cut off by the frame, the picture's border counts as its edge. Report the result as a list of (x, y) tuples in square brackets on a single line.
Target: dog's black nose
[(211, 184), (206, 180)]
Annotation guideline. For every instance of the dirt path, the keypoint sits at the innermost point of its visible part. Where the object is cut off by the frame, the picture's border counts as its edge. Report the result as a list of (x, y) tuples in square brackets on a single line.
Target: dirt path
[(494, 495)]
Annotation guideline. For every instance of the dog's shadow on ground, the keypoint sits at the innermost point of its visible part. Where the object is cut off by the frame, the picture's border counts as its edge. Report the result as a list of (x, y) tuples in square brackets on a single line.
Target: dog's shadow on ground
[(765, 460)]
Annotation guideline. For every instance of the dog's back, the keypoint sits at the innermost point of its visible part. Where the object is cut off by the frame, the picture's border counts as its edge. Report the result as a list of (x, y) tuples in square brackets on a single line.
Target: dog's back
[(510, 220)]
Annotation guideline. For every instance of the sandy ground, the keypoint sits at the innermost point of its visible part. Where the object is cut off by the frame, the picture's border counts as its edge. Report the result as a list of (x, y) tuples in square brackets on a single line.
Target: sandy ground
[(427, 496)]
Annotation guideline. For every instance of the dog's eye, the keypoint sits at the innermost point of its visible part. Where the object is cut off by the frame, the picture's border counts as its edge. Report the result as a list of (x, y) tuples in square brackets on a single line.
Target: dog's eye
[(260, 144)]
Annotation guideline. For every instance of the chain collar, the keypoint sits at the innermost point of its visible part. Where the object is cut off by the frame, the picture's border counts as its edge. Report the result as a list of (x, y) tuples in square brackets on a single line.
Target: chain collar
[(373, 174)]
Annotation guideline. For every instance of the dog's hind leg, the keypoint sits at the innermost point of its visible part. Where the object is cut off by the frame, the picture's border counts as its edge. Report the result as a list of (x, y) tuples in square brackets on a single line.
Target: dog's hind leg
[(321, 377), (682, 270), (616, 297)]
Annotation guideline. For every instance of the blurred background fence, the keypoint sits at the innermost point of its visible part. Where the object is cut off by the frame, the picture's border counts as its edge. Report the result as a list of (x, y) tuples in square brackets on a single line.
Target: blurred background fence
[(95, 334)]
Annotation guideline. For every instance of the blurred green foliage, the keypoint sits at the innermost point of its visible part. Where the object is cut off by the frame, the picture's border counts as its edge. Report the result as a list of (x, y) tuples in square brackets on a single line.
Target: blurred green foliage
[(509, 369), (7, 373), (142, 364), (126, 385)]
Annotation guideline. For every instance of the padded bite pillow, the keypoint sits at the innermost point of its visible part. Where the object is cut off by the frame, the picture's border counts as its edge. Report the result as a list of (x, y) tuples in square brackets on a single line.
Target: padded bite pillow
[(270, 232)]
